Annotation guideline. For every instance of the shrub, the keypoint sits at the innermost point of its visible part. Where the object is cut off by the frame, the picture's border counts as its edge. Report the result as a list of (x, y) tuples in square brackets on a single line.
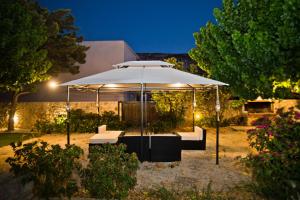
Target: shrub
[(265, 120), (112, 121), (211, 122), (48, 167), (111, 172), (165, 123), (238, 120), (80, 122), (275, 166), (45, 126)]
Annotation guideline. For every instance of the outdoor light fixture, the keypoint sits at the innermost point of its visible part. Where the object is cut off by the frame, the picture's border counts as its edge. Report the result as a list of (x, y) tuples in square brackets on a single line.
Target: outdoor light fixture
[(52, 84), (16, 119), (198, 116), (177, 85), (111, 85)]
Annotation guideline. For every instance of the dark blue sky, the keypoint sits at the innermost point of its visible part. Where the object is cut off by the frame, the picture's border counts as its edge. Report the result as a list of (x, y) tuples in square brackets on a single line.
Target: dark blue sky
[(146, 25)]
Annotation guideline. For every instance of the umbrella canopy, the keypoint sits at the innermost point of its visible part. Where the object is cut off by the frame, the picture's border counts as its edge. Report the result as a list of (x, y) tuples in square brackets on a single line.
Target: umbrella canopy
[(155, 74), (145, 75)]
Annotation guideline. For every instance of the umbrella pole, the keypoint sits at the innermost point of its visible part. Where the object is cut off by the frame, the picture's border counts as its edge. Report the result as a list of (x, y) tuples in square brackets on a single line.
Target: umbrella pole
[(194, 105), (145, 108), (98, 105), (146, 123), (217, 124), (68, 115), (142, 120)]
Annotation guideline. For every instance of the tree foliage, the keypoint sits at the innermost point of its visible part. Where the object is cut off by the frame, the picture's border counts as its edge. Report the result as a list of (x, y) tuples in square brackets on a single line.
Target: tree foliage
[(172, 105), (253, 45), (63, 45), (35, 44), (206, 107), (23, 33)]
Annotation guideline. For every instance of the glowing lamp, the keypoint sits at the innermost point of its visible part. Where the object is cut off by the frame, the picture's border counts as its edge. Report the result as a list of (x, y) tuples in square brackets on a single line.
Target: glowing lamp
[(16, 119), (111, 85), (178, 85), (52, 84)]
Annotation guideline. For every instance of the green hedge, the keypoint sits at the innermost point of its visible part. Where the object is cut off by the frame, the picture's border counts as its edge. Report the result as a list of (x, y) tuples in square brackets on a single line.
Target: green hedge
[(80, 122)]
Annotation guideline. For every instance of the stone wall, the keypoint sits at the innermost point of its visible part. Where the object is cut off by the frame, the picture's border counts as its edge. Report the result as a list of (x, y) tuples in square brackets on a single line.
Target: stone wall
[(27, 113), (277, 104), (285, 104)]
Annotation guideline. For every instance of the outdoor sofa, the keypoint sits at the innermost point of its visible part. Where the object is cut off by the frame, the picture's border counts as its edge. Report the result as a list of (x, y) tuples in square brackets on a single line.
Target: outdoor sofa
[(154, 148), (193, 140), (104, 136)]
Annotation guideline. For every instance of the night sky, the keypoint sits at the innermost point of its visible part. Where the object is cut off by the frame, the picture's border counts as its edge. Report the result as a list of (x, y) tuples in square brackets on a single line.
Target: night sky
[(159, 26)]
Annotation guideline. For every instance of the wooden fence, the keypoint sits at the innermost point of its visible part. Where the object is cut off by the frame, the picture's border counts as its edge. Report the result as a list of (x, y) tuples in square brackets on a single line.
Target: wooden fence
[(131, 112)]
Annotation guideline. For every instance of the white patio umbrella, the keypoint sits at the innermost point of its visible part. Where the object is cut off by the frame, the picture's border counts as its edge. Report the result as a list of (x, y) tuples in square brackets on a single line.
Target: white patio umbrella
[(145, 76)]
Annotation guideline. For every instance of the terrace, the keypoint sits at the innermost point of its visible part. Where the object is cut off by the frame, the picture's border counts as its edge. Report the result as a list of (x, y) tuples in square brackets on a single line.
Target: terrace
[(196, 168)]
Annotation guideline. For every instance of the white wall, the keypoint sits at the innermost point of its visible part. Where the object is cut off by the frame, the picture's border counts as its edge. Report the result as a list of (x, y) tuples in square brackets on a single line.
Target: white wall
[(129, 54), (100, 57)]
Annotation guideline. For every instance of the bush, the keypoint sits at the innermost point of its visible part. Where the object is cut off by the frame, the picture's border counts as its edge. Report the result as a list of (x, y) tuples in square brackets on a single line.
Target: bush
[(238, 120), (80, 122), (165, 123), (275, 166), (45, 126), (48, 167), (112, 121), (111, 172), (265, 120), (211, 122)]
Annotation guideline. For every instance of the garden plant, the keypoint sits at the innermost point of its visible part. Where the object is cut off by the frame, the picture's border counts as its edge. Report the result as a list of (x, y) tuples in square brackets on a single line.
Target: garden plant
[(275, 164), (50, 168), (111, 172), (80, 122)]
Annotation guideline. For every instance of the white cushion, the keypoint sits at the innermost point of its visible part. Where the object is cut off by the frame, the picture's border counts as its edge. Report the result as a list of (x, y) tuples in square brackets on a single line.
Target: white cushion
[(163, 134), (199, 132), (109, 137), (196, 135), (102, 129)]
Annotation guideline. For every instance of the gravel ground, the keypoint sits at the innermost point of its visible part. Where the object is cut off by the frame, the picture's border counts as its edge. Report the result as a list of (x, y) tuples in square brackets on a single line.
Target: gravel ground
[(196, 169)]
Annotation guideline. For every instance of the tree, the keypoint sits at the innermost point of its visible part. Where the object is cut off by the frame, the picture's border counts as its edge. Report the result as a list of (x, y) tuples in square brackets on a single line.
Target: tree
[(23, 62), (63, 45), (253, 46), (172, 104), (35, 44)]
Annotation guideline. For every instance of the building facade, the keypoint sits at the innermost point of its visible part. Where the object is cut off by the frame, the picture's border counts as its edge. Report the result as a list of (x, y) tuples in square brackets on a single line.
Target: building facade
[(100, 57)]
